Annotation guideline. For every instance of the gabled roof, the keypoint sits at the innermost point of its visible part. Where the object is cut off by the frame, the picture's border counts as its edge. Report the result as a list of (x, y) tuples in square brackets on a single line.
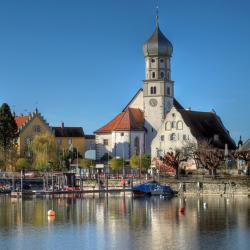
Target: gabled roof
[(68, 131), (246, 145), (20, 120), (205, 125), (23, 121), (130, 119)]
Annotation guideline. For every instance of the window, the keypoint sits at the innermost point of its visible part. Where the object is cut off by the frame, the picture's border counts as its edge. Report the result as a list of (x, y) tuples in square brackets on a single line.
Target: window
[(173, 137), (168, 126), (152, 60), (137, 145), (168, 91), (162, 74), (173, 124), (122, 134), (216, 137), (152, 129), (153, 90), (173, 115), (69, 141), (161, 61), (27, 141), (162, 137), (153, 74), (105, 142), (179, 125), (37, 128), (184, 137)]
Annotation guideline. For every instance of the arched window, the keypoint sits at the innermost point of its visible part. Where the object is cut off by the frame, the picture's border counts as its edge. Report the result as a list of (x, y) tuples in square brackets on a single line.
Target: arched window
[(168, 91), (168, 126), (179, 125), (173, 137), (153, 90), (173, 124), (153, 74), (162, 74), (152, 60), (137, 145)]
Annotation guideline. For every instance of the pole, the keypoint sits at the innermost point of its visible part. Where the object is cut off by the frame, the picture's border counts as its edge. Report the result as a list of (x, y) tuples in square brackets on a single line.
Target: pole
[(21, 182), (140, 165)]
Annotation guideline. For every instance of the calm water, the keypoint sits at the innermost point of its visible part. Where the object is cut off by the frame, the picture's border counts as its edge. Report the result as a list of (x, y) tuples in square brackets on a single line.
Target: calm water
[(125, 223)]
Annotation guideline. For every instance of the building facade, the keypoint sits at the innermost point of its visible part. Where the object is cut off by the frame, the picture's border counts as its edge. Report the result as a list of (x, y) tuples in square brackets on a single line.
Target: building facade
[(163, 124), (29, 126)]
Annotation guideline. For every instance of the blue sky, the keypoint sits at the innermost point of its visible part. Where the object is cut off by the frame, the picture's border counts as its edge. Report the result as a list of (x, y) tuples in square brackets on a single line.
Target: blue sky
[(81, 61)]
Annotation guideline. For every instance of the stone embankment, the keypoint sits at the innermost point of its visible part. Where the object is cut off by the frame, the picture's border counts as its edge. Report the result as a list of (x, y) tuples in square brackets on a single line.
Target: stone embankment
[(211, 187)]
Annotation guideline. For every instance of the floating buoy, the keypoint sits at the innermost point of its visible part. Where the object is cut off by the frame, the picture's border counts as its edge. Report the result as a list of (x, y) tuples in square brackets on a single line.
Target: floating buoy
[(51, 218), (182, 210), (51, 213)]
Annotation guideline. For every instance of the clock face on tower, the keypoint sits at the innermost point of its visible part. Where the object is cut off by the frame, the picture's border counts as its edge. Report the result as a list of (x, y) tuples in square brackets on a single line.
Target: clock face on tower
[(153, 102)]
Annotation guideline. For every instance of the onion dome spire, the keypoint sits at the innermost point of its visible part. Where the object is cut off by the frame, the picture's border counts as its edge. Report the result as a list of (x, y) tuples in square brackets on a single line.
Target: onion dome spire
[(157, 44)]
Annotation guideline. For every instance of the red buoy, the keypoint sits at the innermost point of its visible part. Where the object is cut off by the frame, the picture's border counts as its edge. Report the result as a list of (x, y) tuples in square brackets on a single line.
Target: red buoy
[(182, 210)]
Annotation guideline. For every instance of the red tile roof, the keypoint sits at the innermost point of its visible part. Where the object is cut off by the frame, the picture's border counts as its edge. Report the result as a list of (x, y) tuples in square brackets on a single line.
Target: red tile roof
[(129, 119), (20, 120)]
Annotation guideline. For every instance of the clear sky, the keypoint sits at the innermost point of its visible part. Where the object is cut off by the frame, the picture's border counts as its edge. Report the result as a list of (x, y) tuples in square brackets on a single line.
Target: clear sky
[(81, 61)]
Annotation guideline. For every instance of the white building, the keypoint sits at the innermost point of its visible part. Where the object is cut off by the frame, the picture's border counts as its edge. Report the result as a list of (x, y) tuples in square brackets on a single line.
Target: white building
[(143, 119)]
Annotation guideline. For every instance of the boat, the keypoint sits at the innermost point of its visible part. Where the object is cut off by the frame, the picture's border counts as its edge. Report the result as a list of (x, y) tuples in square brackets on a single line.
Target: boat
[(153, 188)]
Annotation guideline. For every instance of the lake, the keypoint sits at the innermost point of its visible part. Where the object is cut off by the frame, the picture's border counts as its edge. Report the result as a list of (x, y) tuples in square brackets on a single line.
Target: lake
[(123, 222)]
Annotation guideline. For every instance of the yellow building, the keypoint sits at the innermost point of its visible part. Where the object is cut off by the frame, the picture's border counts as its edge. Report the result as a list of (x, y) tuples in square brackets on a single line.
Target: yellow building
[(70, 137), (30, 126)]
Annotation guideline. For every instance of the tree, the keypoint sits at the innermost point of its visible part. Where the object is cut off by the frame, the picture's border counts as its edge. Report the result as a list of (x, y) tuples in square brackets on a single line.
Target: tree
[(87, 163), (116, 164), (243, 155), (43, 147), (208, 156), (8, 131), (134, 161), (22, 164), (174, 159)]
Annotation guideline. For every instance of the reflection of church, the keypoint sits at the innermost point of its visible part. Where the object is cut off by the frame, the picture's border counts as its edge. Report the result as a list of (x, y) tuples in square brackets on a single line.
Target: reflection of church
[(142, 120)]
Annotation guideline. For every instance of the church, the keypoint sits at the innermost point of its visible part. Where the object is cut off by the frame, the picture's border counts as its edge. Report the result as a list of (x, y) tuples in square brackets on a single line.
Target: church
[(154, 122)]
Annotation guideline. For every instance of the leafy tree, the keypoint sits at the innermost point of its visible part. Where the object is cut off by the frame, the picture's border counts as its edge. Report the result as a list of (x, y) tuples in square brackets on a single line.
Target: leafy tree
[(43, 147), (116, 164), (8, 131), (22, 164), (87, 163), (145, 162), (134, 161)]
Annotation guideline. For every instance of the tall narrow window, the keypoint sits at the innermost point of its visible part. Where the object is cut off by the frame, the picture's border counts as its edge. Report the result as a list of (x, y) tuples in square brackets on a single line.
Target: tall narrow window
[(162, 74), (153, 90), (153, 74), (168, 90), (137, 145)]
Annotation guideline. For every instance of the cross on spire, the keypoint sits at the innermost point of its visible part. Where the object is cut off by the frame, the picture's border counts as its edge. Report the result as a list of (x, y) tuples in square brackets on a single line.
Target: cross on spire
[(157, 12)]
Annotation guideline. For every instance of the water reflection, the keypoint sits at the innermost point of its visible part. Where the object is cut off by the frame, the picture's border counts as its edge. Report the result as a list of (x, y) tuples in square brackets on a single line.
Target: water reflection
[(122, 222)]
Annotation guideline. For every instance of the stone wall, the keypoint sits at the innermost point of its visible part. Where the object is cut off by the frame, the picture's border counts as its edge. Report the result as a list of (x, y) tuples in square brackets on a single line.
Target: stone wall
[(225, 187)]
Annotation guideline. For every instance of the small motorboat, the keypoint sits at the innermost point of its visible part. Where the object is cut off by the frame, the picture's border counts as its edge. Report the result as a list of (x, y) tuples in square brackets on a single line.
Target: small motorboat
[(153, 188)]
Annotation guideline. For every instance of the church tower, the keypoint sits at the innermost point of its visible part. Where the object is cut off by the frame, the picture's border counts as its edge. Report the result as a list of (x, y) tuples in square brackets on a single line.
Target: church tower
[(158, 88)]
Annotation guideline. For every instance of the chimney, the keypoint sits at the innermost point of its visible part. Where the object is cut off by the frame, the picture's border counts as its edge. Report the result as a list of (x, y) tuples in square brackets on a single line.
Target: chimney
[(62, 126)]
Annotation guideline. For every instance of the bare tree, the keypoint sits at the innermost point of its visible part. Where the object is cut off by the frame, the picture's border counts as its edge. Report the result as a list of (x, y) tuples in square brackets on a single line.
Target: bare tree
[(208, 157), (243, 155)]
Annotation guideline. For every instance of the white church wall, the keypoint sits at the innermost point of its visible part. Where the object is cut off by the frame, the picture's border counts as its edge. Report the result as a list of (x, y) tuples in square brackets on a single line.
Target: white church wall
[(103, 144), (172, 134), (140, 135), (120, 143), (137, 102)]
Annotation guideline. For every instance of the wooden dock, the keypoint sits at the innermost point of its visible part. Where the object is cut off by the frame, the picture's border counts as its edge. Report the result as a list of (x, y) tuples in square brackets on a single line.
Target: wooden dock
[(62, 192)]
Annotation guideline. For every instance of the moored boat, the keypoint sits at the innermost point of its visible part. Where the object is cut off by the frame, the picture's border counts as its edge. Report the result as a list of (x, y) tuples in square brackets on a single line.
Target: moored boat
[(153, 188)]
